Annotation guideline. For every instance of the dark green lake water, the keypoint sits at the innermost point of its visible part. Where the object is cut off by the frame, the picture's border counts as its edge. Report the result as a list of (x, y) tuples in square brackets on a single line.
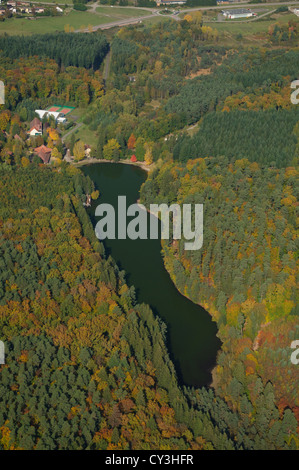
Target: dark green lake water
[(192, 340)]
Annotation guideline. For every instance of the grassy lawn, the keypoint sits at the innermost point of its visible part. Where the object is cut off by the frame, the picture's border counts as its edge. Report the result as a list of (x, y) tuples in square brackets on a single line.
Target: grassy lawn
[(77, 113), (254, 27), (114, 14), (75, 19), (102, 15), (156, 19), (48, 24), (87, 136)]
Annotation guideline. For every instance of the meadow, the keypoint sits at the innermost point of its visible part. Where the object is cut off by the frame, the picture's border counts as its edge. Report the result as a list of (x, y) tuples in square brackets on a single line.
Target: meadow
[(74, 19)]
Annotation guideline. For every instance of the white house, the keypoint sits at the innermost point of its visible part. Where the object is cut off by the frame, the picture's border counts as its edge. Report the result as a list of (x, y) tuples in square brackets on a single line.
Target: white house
[(36, 127), (34, 132), (238, 13)]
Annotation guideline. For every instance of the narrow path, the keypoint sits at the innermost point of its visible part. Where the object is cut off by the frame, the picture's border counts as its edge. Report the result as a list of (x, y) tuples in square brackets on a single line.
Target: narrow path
[(92, 7), (77, 126), (107, 66), (115, 24)]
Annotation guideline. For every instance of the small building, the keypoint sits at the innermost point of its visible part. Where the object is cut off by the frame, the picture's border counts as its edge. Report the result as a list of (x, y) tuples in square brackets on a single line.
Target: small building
[(24, 9), (43, 113), (226, 2), (68, 157), (44, 153), (36, 127), (18, 138), (61, 118), (238, 13), (87, 150), (170, 2), (87, 202)]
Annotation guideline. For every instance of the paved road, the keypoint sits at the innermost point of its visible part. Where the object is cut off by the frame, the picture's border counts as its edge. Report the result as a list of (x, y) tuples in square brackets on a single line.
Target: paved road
[(92, 7), (115, 24), (175, 16), (242, 5), (153, 12)]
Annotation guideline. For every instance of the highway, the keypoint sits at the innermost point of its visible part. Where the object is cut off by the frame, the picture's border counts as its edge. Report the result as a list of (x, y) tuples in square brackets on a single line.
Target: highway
[(175, 16)]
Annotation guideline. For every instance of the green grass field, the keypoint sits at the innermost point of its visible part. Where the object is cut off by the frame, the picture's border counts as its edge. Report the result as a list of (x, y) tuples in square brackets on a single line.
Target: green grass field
[(75, 19), (254, 27), (105, 14), (155, 20), (83, 133), (114, 13)]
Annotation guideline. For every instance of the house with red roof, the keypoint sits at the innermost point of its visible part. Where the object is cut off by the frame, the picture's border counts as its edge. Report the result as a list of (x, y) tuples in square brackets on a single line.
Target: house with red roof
[(17, 137), (44, 153)]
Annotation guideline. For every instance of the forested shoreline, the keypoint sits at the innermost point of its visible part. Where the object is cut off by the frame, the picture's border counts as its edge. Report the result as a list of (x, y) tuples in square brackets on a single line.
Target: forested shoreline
[(244, 276), (93, 391)]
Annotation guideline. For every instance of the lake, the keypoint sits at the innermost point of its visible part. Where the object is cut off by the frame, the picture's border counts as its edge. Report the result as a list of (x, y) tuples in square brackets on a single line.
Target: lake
[(191, 333)]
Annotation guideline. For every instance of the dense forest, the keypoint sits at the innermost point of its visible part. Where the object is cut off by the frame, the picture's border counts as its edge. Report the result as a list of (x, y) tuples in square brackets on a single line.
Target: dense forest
[(240, 99), (80, 50), (239, 72), (157, 61), (269, 137), (245, 274), (85, 366), (32, 85)]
